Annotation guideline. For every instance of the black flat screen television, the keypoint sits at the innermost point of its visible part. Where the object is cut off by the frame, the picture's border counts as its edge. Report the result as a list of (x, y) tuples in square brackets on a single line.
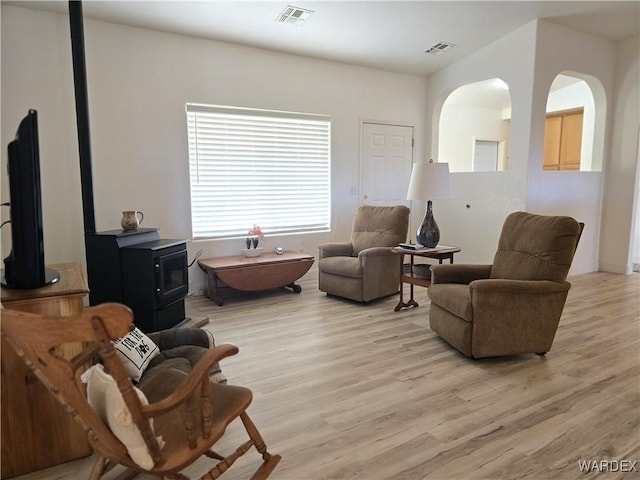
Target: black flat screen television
[(24, 267)]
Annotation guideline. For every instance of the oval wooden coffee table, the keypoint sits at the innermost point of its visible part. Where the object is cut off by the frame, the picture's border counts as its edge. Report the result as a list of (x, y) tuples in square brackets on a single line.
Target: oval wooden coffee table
[(251, 274)]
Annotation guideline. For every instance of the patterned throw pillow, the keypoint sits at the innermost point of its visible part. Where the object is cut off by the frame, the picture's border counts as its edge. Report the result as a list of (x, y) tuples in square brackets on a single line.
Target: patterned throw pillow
[(136, 351)]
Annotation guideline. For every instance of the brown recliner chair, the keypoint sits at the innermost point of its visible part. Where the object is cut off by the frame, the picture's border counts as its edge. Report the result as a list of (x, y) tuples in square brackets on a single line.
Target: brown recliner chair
[(514, 305), (365, 268)]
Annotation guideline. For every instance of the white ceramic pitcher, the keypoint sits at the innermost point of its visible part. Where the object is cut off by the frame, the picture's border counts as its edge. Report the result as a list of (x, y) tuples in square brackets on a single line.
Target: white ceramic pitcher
[(131, 219)]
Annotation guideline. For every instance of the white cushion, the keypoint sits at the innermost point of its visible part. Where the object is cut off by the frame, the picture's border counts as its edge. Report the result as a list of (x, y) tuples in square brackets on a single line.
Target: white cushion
[(107, 401), (136, 351)]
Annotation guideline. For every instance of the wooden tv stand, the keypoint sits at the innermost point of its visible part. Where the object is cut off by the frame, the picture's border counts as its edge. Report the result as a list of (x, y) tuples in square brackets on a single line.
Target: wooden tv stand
[(264, 272), (37, 431)]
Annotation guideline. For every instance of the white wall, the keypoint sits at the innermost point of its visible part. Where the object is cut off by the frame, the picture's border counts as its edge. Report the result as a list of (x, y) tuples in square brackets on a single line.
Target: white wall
[(461, 125), (635, 238), (139, 82), (621, 169)]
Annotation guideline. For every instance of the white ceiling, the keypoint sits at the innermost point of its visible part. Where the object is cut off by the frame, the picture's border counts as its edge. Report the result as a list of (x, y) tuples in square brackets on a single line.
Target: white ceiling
[(389, 35)]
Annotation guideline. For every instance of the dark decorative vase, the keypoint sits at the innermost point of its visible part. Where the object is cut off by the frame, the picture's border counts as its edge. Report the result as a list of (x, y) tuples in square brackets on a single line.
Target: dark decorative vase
[(248, 240), (428, 233), (255, 241)]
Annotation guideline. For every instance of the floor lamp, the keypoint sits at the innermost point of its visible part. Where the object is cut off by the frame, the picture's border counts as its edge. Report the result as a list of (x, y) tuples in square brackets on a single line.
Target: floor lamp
[(429, 181)]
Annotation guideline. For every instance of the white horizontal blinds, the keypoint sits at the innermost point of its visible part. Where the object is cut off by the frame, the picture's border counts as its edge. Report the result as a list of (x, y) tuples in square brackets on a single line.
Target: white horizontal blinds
[(258, 167)]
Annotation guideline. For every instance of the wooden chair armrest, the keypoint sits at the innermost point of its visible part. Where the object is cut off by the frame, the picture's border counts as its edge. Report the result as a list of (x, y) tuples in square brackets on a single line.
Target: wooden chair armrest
[(85, 356), (185, 389)]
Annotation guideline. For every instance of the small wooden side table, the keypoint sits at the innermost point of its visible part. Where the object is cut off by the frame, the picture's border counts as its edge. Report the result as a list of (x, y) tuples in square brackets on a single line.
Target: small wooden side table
[(264, 272), (440, 252)]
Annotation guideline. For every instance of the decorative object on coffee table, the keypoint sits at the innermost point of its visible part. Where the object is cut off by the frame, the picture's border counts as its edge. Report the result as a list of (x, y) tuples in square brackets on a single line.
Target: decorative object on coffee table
[(252, 252), (255, 235)]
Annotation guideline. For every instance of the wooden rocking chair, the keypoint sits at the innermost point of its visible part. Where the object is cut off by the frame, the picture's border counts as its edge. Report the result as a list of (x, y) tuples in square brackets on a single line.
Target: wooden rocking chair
[(190, 419)]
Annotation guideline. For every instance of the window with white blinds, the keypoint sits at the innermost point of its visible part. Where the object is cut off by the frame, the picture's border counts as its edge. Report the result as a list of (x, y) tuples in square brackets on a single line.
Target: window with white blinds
[(260, 167)]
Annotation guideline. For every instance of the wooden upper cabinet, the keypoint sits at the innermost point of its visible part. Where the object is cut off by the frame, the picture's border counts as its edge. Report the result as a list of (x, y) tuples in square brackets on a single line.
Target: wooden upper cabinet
[(552, 136), (571, 141), (563, 140)]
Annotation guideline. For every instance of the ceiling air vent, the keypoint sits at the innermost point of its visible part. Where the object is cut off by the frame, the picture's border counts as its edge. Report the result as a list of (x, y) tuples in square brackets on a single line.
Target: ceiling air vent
[(439, 48), (294, 15)]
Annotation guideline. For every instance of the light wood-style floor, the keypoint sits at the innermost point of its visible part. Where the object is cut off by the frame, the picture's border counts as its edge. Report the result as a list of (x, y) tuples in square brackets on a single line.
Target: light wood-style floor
[(348, 391)]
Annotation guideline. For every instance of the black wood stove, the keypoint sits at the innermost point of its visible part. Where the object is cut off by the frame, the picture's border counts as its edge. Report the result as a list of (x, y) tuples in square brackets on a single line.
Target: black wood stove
[(138, 268)]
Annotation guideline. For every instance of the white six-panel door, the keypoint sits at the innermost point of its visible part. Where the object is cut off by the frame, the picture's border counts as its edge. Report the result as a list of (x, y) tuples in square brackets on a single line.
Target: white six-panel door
[(385, 166)]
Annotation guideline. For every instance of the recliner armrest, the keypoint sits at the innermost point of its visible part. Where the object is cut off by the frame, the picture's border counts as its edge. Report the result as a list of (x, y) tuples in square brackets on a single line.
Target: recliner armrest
[(378, 257), (515, 316), (336, 249), (459, 273), (505, 287), (376, 252)]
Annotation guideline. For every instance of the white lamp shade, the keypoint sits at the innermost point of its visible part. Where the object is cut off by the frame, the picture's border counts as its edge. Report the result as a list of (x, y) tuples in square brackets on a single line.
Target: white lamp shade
[(429, 181)]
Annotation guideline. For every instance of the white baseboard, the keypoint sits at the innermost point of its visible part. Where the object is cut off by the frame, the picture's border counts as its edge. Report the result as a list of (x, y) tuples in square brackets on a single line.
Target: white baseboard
[(612, 268), (579, 269)]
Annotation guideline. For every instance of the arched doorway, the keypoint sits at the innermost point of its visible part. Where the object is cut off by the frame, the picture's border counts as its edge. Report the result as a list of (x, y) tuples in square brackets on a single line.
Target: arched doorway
[(475, 125)]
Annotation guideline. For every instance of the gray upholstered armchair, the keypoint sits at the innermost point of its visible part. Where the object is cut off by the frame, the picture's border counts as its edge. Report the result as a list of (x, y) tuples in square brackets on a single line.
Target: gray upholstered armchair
[(514, 305), (365, 268)]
